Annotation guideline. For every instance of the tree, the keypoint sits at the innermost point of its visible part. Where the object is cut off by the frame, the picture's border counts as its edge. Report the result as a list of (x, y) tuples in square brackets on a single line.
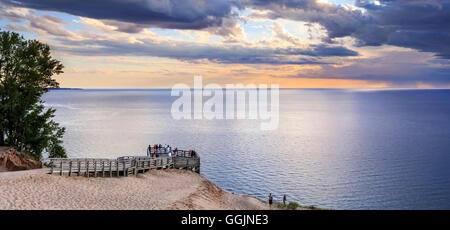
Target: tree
[(26, 70)]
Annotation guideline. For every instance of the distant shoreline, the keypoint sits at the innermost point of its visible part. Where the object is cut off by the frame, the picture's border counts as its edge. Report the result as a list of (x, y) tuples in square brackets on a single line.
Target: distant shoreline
[(65, 89), (313, 89)]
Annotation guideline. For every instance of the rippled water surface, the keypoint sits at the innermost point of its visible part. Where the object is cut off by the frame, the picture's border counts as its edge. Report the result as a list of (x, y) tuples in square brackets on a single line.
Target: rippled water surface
[(340, 149)]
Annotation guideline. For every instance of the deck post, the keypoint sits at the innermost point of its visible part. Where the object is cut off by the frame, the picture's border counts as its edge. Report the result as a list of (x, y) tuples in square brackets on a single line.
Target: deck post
[(87, 168), (110, 168), (103, 168), (61, 171), (95, 168), (51, 166), (70, 168), (117, 168), (124, 166), (79, 168)]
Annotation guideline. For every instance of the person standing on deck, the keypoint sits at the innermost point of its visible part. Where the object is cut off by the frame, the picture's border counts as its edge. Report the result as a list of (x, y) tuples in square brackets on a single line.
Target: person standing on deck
[(284, 199)]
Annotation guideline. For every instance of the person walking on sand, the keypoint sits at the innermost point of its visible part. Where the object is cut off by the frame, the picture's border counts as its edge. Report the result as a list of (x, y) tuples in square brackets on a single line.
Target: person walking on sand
[(284, 199), (270, 200)]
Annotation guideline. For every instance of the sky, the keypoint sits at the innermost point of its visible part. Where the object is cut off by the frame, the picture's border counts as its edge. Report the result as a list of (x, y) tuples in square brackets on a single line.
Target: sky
[(293, 43)]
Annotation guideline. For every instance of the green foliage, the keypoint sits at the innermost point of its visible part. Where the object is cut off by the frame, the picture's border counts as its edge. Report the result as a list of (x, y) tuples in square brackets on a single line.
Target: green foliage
[(26, 70), (290, 205), (293, 205), (280, 205)]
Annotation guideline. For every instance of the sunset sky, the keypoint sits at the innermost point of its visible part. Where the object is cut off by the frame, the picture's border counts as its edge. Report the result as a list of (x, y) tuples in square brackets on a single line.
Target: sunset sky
[(294, 43)]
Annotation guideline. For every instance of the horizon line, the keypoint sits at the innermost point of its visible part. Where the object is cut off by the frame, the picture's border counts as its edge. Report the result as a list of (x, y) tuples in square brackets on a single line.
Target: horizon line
[(374, 89)]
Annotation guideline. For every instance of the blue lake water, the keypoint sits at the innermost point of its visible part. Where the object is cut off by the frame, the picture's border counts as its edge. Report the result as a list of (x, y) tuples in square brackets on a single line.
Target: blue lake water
[(340, 149)]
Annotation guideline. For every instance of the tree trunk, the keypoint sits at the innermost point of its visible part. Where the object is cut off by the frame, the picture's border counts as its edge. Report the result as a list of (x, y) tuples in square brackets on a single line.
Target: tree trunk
[(2, 138)]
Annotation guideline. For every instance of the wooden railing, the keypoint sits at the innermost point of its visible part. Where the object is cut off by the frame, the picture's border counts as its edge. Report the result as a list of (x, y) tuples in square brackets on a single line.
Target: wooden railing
[(123, 166), (163, 151)]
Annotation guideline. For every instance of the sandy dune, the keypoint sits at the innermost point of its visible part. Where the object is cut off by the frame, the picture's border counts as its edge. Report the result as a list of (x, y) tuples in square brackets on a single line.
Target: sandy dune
[(158, 189)]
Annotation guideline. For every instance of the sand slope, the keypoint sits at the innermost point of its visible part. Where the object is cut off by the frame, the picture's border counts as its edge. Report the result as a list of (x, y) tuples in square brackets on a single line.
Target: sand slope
[(158, 189)]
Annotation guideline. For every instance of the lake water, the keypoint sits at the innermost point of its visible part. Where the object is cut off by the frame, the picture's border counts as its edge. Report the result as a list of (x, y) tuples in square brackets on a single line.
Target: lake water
[(340, 149)]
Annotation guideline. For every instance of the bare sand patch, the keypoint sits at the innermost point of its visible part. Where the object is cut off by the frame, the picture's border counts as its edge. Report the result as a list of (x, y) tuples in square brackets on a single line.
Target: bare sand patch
[(157, 189)]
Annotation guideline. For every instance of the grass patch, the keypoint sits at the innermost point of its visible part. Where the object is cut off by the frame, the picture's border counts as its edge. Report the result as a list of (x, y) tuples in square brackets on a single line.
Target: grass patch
[(291, 205), (295, 206)]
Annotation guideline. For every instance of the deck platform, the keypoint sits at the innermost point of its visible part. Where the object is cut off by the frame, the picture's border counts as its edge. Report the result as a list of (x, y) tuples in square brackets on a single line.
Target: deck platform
[(123, 166)]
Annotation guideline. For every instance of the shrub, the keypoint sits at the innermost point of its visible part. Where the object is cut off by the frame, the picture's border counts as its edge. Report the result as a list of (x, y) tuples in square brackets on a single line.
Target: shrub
[(293, 205)]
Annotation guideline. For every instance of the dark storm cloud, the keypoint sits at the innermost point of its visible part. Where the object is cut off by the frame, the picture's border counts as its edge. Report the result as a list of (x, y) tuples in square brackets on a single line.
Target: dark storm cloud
[(182, 14), (327, 51), (86, 43), (192, 51), (418, 24), (422, 25), (434, 77), (389, 69)]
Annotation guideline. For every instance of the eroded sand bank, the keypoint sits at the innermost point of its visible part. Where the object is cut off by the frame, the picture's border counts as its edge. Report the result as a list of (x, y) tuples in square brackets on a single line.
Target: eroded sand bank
[(157, 189)]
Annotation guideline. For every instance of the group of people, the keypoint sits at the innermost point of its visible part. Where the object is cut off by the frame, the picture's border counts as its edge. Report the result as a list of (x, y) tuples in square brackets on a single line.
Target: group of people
[(191, 153), (271, 199), (157, 149)]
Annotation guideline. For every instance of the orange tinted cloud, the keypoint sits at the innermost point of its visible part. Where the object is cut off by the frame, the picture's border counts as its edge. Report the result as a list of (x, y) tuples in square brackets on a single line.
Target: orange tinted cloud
[(156, 75)]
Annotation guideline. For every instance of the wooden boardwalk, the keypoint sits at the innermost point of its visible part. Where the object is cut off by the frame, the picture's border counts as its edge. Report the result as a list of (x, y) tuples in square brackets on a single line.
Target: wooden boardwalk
[(123, 166)]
